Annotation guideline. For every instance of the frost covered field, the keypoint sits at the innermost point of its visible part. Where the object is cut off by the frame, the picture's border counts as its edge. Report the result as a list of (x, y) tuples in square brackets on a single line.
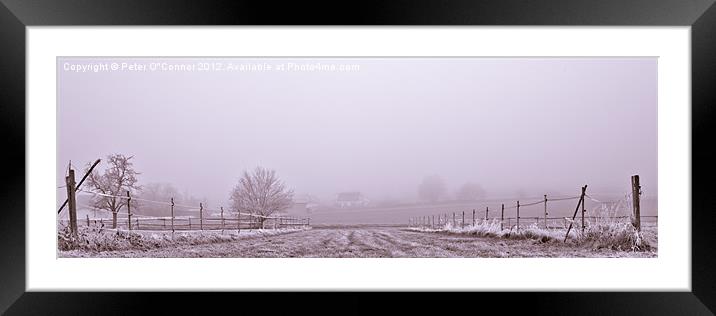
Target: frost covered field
[(366, 241)]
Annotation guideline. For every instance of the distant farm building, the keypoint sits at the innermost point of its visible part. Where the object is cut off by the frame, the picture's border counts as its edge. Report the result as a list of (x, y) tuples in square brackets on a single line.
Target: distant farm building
[(351, 200)]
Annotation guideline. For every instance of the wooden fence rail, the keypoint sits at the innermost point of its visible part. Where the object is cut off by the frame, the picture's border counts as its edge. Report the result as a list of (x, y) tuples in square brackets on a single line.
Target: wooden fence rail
[(193, 223), (134, 221)]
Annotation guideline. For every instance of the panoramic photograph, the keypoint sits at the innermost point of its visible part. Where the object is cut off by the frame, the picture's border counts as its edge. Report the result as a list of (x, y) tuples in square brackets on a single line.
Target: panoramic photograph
[(371, 157)]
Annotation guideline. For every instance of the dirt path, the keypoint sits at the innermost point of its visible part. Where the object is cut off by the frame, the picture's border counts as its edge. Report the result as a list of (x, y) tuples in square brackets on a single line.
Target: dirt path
[(373, 242)]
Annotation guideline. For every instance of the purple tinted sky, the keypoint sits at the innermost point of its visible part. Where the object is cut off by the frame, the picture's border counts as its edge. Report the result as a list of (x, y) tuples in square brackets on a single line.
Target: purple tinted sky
[(515, 124)]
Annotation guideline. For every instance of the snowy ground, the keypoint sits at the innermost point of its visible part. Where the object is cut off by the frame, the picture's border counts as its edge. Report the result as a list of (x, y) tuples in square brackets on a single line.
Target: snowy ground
[(368, 241)]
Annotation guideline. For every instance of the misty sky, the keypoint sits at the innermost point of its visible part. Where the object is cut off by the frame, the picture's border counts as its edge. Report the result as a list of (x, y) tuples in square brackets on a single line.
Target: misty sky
[(534, 125)]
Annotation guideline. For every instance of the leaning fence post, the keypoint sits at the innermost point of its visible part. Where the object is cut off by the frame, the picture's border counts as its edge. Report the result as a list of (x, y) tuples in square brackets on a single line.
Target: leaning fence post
[(584, 201), (636, 192), (581, 201)]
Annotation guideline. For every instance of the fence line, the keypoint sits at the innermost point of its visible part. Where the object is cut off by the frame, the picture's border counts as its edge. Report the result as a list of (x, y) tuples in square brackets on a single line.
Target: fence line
[(610, 206), (177, 205), (191, 223), (249, 220)]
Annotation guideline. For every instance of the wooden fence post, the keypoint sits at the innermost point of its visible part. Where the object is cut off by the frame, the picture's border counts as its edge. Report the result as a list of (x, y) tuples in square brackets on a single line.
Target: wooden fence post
[(172, 217), (636, 192), (487, 209), (77, 186), (222, 218), (129, 211), (518, 215), (583, 211), (545, 211), (502, 217), (432, 224), (463, 220), (453, 220), (581, 201), (473, 217), (71, 201), (238, 222), (201, 216), (88, 223)]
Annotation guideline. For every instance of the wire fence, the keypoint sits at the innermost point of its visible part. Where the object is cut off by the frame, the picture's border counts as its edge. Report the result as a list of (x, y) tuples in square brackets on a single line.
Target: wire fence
[(440, 220), (206, 220), (606, 211)]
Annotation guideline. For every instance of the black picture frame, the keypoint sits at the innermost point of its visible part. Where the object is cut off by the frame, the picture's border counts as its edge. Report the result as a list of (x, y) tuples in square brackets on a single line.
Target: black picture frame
[(16, 15)]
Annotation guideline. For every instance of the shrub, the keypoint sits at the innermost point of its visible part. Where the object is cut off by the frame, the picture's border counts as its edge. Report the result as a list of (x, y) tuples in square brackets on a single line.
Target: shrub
[(97, 239), (605, 232)]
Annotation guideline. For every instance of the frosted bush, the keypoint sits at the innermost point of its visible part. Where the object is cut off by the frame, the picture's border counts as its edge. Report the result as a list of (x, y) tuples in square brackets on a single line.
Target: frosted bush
[(604, 232), (98, 239)]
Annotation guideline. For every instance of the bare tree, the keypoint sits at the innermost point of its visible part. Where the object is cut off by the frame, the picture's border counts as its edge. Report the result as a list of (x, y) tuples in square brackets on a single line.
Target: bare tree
[(114, 181), (432, 188), (470, 191), (261, 192)]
